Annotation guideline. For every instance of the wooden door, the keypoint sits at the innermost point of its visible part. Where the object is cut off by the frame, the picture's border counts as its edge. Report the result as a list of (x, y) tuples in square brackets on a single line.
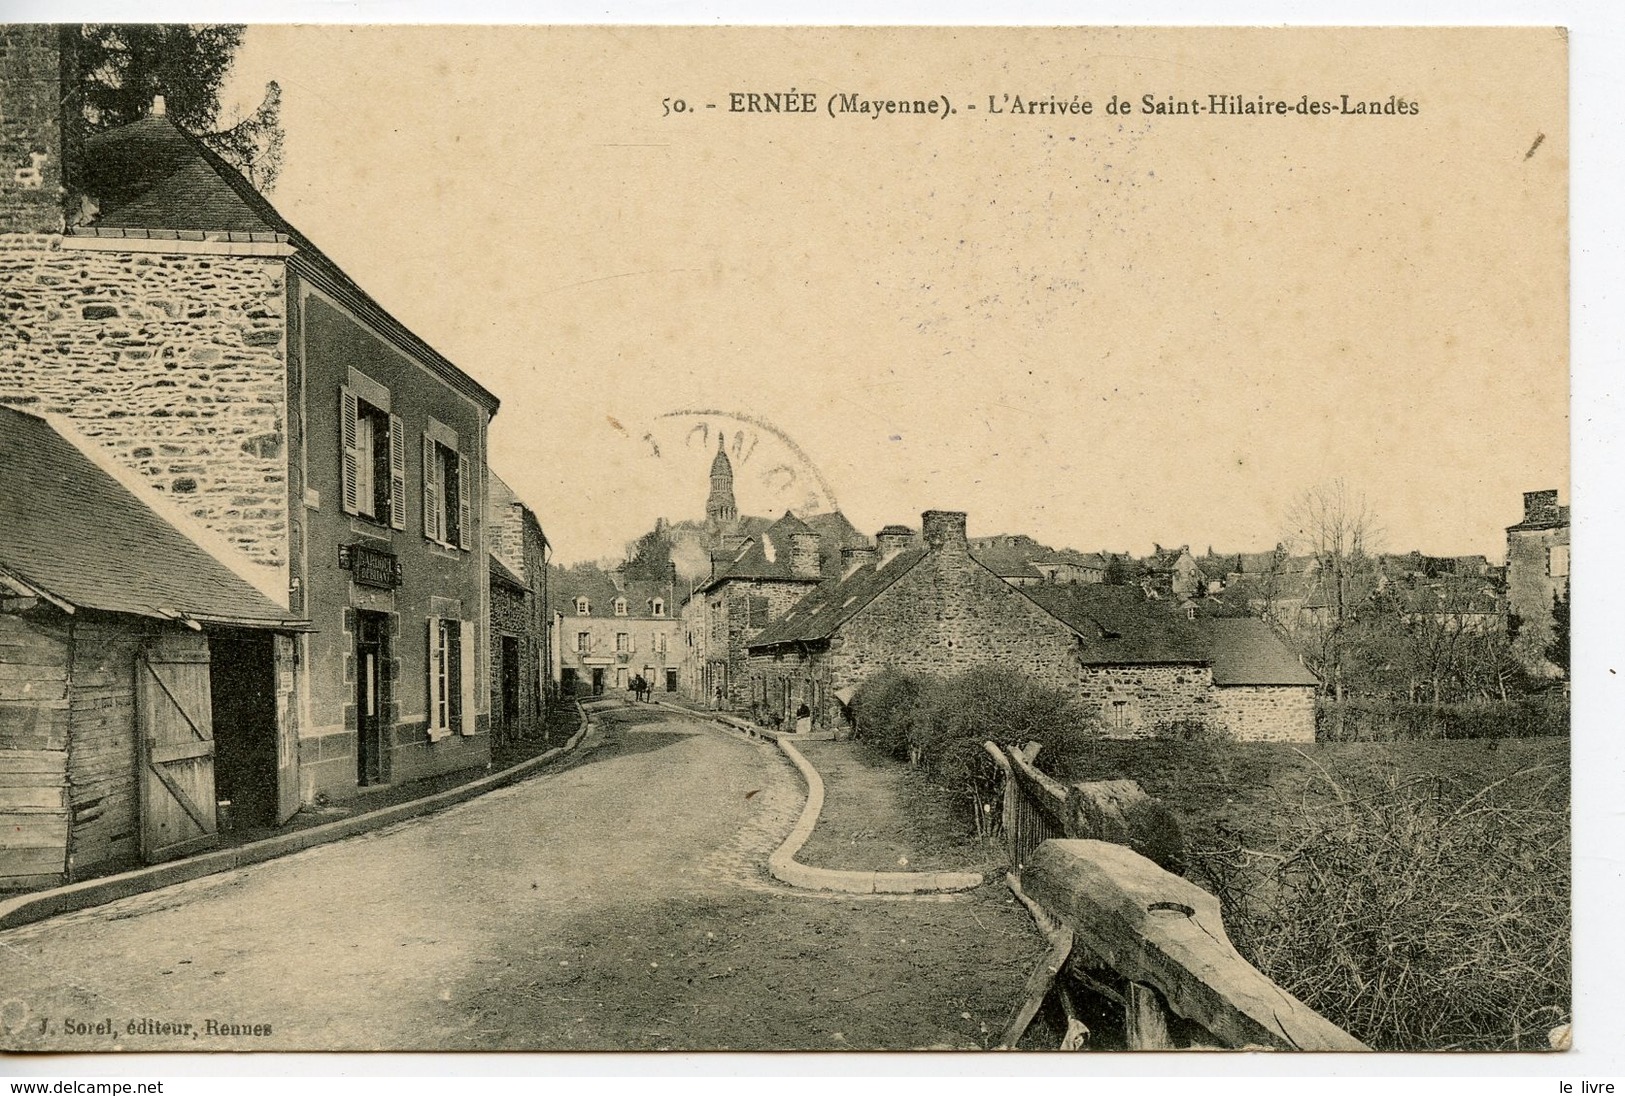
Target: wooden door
[(175, 729), (287, 731)]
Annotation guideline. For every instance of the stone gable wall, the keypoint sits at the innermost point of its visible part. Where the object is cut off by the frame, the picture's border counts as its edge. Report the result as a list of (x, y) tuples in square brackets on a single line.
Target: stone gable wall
[(1267, 713), (173, 362)]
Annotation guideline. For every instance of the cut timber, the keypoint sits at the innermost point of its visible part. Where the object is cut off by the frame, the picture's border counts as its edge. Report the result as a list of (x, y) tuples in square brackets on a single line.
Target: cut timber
[(1165, 932), (1039, 984)]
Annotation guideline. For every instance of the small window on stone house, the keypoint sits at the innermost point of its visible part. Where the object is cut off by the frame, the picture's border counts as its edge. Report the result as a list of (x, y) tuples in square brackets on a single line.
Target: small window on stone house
[(1118, 715), (583, 607), (657, 607), (758, 611), (583, 641), (1557, 560), (623, 642), (620, 606)]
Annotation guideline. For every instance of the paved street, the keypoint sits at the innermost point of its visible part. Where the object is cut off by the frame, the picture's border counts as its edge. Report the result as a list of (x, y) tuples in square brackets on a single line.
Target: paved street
[(614, 903)]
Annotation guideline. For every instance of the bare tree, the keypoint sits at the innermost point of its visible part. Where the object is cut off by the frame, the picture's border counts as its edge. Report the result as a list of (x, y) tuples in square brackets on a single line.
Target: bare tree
[(1335, 527)]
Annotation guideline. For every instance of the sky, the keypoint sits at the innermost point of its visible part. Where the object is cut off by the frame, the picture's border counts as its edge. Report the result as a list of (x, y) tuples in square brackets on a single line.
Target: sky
[(1103, 331)]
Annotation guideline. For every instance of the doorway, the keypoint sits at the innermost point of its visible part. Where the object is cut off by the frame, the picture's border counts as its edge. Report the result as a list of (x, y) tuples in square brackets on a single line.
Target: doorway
[(372, 751), (510, 686), (242, 702)]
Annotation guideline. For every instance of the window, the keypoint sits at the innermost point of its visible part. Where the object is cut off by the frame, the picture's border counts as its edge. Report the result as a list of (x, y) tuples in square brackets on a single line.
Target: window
[(660, 643), (671, 681), (373, 457), (1557, 560), (623, 642), (448, 486), (451, 677), (583, 641), (757, 613), (657, 607), (620, 606), (1119, 715), (583, 607)]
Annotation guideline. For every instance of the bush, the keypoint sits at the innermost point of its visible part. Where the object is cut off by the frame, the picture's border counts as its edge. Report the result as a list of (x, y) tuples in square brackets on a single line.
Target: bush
[(1416, 916), (1367, 720), (941, 724)]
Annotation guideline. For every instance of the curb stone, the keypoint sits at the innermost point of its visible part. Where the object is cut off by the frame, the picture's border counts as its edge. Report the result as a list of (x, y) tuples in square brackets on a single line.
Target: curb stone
[(786, 869), (28, 908)]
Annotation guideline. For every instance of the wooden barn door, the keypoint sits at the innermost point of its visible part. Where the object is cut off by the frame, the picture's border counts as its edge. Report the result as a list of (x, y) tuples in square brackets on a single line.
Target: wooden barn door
[(175, 728)]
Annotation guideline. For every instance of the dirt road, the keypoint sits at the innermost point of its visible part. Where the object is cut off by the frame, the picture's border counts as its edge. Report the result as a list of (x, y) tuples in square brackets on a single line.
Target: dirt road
[(616, 903)]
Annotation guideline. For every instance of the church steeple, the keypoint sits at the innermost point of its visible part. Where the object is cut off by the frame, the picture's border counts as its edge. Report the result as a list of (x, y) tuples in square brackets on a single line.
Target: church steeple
[(720, 506)]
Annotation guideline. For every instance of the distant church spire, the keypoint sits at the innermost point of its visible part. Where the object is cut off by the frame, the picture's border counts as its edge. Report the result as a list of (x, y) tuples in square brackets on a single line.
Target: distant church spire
[(720, 506)]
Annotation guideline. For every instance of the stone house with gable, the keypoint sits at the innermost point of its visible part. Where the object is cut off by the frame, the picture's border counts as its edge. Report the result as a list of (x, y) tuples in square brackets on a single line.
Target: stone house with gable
[(164, 307)]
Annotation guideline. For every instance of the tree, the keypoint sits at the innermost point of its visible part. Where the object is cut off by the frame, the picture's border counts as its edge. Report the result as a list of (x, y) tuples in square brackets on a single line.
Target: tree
[(1333, 525), (1557, 651), (648, 558), (123, 66)]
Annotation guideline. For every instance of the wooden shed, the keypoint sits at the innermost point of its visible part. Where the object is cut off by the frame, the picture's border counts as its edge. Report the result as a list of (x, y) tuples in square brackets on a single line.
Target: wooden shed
[(142, 681)]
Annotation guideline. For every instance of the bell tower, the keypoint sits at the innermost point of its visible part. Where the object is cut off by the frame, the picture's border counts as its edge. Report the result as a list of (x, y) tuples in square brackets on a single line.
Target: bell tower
[(720, 506)]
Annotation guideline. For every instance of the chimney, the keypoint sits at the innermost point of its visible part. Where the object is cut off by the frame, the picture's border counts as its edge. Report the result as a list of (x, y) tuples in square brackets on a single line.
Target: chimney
[(893, 539), (944, 529), (1540, 507), (157, 106), (37, 147), (855, 557), (804, 561)]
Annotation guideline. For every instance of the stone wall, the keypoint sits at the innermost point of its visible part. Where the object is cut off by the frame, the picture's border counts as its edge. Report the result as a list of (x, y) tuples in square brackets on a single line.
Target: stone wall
[(1267, 713), (734, 630), (949, 613), (1145, 701), (511, 616), (173, 362)]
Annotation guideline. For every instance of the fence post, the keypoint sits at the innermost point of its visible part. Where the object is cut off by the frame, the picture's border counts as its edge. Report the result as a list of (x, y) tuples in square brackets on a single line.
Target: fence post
[(1007, 814)]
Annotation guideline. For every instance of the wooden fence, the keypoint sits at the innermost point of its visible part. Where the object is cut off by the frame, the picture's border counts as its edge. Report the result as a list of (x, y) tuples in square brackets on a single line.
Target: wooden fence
[(1133, 947)]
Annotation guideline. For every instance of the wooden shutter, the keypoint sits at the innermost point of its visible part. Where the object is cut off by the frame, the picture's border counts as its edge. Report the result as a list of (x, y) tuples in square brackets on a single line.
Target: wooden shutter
[(465, 504), (175, 732), (350, 458), (466, 725), (436, 731), (431, 491), (397, 473)]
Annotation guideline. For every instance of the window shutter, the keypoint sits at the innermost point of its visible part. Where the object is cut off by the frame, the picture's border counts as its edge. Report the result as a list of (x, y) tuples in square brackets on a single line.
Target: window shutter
[(467, 724), (397, 473), (465, 508), (436, 731), (431, 490), (350, 457)]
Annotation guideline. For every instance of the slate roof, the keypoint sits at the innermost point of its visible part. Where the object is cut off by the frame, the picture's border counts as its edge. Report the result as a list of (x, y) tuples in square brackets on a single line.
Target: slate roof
[(816, 616), (601, 588), (766, 555), (501, 570), (72, 531), (152, 178), (1119, 625), (1010, 562), (1246, 651)]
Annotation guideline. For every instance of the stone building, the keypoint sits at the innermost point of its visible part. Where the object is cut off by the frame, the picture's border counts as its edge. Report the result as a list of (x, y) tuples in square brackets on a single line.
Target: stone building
[(146, 687), (1537, 573), (608, 629), (929, 605), (521, 663), (165, 309)]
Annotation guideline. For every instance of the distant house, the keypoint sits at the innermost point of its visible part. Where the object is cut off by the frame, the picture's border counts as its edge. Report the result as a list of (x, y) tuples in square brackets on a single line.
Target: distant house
[(1022, 561), (1537, 573), (1263, 692), (146, 688), (608, 630), (1172, 572)]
